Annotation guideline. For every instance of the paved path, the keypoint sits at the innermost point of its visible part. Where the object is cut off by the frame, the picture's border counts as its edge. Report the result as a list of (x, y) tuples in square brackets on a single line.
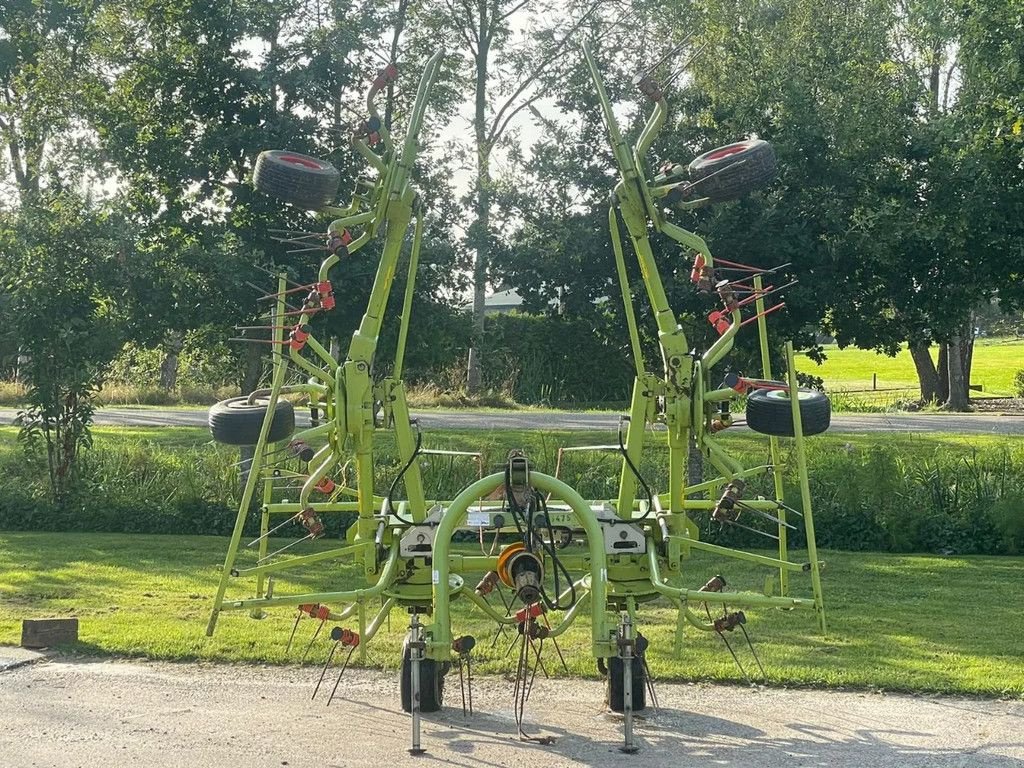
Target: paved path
[(975, 424), (134, 714)]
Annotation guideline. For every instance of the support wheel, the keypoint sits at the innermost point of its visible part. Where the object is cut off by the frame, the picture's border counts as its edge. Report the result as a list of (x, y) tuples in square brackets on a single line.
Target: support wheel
[(615, 688), (770, 412), (732, 171), (237, 422), (431, 683), (301, 180)]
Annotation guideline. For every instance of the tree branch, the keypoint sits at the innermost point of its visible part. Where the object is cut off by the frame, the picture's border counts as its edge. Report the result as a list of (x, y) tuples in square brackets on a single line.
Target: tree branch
[(499, 120), (514, 8)]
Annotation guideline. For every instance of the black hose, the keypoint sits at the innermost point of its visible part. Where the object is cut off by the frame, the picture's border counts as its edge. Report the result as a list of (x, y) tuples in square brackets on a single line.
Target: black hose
[(386, 506), (639, 477)]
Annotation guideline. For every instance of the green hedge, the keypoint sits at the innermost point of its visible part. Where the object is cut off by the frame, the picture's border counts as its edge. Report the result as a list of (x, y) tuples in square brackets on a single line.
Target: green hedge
[(919, 495)]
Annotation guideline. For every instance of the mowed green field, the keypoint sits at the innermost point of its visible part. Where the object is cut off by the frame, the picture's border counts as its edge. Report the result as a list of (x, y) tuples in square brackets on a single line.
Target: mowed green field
[(896, 622), (994, 365)]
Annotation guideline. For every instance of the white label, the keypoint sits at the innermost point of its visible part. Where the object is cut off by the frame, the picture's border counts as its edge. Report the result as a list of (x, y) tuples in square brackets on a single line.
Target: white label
[(478, 519), (604, 574), (436, 577)]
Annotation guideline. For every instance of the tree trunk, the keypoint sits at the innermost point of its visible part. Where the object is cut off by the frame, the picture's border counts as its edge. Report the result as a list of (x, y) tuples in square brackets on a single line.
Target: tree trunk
[(482, 225), (942, 368), (926, 373), (173, 343), (958, 394), (253, 369)]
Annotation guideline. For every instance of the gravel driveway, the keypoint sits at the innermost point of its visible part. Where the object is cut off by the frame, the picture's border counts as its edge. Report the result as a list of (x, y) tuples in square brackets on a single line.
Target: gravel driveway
[(157, 715)]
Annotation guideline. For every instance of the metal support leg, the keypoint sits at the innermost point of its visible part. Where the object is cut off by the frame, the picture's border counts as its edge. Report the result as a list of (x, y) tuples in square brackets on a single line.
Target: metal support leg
[(626, 654), (416, 647)]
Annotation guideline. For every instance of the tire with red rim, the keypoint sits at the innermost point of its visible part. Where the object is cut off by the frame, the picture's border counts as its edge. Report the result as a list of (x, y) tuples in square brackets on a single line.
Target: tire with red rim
[(301, 180), (730, 172)]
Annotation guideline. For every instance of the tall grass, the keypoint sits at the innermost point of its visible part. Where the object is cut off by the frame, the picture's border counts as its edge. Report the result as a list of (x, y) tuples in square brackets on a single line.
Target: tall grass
[(900, 495)]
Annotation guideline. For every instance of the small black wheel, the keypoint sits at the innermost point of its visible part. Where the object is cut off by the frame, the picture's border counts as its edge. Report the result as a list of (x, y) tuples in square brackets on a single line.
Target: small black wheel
[(431, 683), (301, 180), (730, 172), (616, 689), (770, 412), (237, 422)]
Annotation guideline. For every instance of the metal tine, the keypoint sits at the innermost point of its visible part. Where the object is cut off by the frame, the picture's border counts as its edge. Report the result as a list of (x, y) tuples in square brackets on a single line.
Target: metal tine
[(671, 52), (277, 527), (296, 233), (313, 638), (769, 291), (307, 250), (288, 648), (282, 549), (276, 294), (764, 514), (258, 341), (735, 657), (752, 530), (330, 658), (789, 509), (685, 66), (750, 645), (337, 682), (273, 274)]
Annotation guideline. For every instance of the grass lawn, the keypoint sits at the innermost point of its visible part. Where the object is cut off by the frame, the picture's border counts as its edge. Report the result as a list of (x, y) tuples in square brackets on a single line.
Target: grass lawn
[(924, 623), (993, 366)]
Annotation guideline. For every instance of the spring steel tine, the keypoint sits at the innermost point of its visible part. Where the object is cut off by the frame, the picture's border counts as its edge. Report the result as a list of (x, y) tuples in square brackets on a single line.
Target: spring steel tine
[(735, 657), (686, 65), (337, 682), (330, 658), (753, 652), (462, 688), (555, 642), (768, 311), (540, 663), (275, 294), (257, 341), (650, 684), (671, 52), (789, 509), (752, 530), (763, 514), (313, 638), (277, 527), (469, 683), (274, 274), (288, 648), (282, 549), (307, 250)]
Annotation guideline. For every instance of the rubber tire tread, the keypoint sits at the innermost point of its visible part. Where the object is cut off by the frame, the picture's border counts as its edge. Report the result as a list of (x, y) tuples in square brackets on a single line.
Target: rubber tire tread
[(616, 689), (303, 187), (774, 416), (431, 683), (739, 180), (235, 422)]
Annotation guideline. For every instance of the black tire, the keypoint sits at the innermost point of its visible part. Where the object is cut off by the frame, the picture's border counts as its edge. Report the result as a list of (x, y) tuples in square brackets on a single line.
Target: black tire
[(616, 689), (431, 683), (732, 171), (235, 422), (301, 180), (770, 412)]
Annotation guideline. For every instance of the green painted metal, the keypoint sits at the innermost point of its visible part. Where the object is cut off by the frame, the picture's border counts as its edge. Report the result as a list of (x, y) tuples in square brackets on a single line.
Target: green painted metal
[(681, 398)]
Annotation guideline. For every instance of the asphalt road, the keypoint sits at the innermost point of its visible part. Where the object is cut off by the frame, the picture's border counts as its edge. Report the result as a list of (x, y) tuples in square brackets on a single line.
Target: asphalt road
[(111, 714), (981, 423)]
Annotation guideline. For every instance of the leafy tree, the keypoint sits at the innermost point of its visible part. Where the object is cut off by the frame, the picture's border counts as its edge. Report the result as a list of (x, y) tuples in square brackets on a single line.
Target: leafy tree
[(71, 306)]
